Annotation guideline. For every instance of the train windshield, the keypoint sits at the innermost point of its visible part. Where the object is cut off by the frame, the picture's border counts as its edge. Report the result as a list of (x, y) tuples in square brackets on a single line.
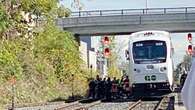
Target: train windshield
[(149, 51)]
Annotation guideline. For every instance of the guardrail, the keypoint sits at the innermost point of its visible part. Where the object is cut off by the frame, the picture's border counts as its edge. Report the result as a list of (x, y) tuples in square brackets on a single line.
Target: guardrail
[(133, 11)]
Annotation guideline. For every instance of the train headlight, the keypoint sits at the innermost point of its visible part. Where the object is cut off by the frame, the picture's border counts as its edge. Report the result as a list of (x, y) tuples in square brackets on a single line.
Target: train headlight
[(162, 69), (137, 70), (168, 84)]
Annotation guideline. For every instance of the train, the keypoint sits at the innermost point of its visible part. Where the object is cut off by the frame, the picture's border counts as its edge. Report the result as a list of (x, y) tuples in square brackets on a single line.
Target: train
[(150, 57)]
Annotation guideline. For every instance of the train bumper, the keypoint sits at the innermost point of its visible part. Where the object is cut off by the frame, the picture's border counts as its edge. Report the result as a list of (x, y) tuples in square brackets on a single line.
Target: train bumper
[(152, 86), (149, 89)]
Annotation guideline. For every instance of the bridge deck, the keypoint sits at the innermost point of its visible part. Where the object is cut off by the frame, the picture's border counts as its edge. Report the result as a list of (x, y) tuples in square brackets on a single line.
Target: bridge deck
[(127, 21)]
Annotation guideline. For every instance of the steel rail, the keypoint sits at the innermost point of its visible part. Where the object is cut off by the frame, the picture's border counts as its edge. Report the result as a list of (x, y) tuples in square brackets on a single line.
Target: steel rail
[(132, 106), (68, 106), (161, 105), (86, 107)]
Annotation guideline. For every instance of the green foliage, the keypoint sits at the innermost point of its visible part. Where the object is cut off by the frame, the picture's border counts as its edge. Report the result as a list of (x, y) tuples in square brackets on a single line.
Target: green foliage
[(43, 6), (187, 59), (8, 59), (59, 49), (43, 62), (3, 20), (63, 12), (113, 69)]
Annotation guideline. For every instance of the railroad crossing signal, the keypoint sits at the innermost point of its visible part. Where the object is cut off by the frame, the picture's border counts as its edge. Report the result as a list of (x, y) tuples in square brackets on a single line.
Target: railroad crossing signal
[(106, 50), (190, 49), (106, 40), (190, 46), (189, 37)]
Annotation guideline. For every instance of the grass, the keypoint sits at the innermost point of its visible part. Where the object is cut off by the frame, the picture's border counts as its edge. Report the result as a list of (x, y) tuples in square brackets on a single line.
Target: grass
[(40, 92)]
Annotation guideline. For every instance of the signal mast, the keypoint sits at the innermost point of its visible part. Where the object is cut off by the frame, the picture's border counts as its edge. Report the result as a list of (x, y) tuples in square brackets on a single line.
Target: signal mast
[(104, 54), (190, 46)]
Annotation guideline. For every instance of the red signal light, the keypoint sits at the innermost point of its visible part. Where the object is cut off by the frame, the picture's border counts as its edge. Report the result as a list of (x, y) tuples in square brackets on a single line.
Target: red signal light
[(106, 40), (190, 49), (106, 52), (189, 37)]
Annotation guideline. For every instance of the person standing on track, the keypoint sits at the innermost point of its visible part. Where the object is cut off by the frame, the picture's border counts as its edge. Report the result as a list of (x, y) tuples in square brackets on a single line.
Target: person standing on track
[(108, 88), (182, 79), (102, 83), (120, 87), (92, 88), (114, 88), (127, 87), (98, 87)]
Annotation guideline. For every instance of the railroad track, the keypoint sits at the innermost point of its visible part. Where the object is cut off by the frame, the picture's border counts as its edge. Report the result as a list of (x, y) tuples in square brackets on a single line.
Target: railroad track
[(149, 103), (134, 105), (166, 103), (163, 103), (78, 106), (87, 106), (37, 106), (64, 107)]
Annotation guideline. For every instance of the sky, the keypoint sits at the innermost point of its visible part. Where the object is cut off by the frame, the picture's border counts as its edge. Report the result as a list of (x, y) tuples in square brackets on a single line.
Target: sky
[(129, 4), (179, 40)]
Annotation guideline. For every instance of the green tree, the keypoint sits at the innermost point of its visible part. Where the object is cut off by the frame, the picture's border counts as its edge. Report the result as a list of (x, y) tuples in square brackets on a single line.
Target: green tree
[(3, 20), (63, 12), (42, 58), (113, 68)]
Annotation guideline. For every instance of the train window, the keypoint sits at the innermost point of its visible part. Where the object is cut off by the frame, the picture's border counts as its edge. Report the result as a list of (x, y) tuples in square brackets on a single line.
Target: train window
[(150, 51)]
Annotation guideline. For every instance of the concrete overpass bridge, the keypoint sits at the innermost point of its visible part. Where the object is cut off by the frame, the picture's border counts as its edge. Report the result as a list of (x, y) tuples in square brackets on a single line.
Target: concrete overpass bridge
[(126, 21)]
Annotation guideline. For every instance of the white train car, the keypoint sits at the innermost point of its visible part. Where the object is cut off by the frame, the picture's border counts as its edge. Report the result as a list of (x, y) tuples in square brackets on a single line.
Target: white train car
[(150, 57)]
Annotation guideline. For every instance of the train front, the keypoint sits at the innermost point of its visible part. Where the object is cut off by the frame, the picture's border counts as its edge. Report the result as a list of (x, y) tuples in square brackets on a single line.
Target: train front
[(151, 64)]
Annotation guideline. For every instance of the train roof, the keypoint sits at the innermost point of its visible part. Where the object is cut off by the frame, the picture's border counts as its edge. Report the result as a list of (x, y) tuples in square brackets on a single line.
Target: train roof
[(150, 34), (150, 31)]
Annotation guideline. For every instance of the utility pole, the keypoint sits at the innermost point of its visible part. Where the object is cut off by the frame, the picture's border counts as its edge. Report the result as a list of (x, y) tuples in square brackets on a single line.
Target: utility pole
[(72, 86), (13, 82), (101, 57), (105, 67), (91, 66), (146, 6)]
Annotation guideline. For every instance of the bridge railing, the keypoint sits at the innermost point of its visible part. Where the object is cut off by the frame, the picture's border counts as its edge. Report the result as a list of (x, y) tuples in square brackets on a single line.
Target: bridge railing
[(133, 11)]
